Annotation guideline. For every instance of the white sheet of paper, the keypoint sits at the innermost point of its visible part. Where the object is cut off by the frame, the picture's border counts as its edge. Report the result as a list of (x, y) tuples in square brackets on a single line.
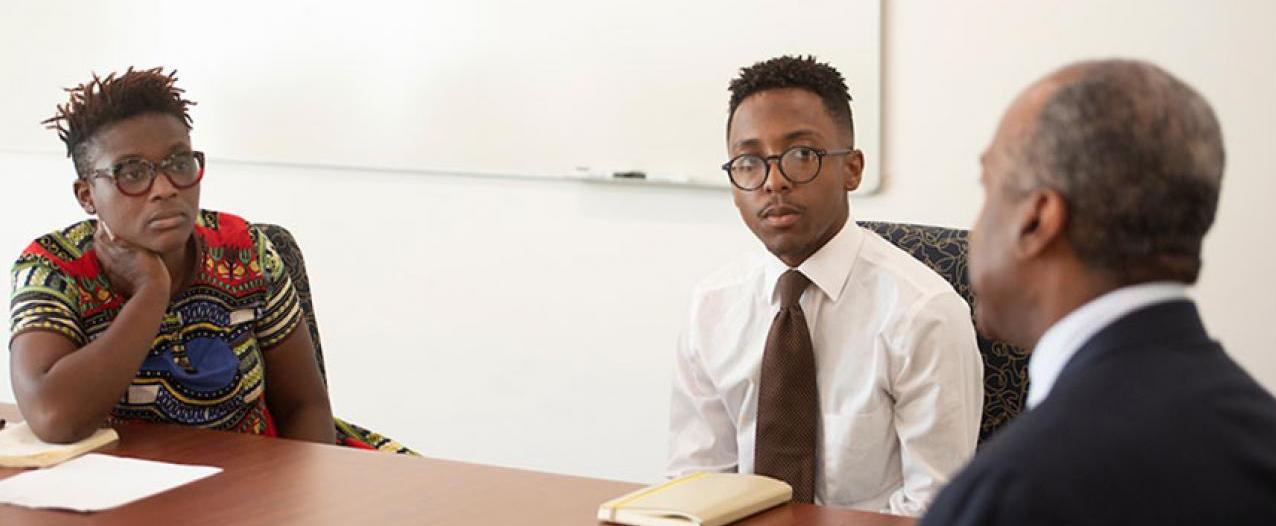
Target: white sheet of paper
[(96, 482)]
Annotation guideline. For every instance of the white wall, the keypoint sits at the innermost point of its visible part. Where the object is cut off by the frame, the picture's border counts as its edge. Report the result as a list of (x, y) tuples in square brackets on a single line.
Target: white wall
[(442, 85), (531, 323)]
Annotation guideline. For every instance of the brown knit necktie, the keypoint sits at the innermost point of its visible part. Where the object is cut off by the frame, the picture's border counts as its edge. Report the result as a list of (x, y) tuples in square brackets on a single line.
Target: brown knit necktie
[(788, 401)]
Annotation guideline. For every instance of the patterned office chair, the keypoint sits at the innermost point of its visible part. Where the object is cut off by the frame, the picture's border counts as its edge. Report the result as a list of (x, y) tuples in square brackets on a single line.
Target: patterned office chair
[(1005, 366), (347, 433)]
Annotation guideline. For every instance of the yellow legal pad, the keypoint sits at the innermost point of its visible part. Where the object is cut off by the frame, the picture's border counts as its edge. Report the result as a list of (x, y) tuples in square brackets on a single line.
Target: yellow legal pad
[(20, 448), (699, 499)]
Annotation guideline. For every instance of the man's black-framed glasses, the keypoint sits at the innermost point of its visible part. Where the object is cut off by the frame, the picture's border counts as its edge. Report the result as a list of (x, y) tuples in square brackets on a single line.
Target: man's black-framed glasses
[(799, 164), (136, 176)]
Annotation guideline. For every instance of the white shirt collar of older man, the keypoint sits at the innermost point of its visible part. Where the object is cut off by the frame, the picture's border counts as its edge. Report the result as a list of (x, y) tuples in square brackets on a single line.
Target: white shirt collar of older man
[(1059, 343), (828, 268)]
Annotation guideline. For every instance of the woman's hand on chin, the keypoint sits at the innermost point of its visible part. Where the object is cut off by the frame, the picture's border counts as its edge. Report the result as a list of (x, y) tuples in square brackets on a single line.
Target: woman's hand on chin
[(129, 267)]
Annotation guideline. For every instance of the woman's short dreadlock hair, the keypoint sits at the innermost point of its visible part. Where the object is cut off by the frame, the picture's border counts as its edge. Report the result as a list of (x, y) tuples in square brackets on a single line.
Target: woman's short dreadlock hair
[(795, 72), (103, 101)]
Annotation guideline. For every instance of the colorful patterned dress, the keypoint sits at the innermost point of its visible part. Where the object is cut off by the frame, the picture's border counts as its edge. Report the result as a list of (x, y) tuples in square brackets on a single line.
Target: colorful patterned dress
[(206, 367)]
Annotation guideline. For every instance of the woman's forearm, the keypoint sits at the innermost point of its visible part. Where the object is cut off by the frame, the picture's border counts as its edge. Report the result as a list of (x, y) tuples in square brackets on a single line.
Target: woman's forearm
[(68, 400), (312, 422)]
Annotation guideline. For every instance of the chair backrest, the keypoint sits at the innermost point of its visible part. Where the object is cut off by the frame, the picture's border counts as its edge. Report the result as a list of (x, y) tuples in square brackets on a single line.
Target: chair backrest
[(288, 250), (1005, 366)]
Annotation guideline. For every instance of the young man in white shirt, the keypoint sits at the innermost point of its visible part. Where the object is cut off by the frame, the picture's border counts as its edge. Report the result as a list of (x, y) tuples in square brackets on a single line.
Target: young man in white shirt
[(833, 360)]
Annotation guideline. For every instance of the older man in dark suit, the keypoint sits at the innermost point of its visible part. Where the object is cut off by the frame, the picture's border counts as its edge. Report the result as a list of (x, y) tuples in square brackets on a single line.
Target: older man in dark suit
[(1100, 184)]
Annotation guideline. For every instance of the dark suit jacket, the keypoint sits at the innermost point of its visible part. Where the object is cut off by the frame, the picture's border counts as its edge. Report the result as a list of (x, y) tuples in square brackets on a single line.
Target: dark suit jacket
[(1149, 423)]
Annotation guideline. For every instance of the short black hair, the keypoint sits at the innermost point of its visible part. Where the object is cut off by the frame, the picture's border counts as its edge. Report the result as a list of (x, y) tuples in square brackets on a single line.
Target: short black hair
[(103, 101), (796, 72), (1138, 155)]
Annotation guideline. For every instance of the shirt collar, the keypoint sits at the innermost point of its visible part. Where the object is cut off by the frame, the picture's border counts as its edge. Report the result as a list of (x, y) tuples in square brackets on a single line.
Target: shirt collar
[(828, 268), (1059, 343)]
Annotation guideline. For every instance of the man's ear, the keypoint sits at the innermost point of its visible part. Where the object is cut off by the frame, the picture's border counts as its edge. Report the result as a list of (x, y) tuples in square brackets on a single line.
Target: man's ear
[(1042, 218), (853, 164), (84, 196)]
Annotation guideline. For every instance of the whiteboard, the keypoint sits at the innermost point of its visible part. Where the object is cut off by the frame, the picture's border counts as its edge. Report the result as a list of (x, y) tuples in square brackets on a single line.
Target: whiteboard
[(549, 88)]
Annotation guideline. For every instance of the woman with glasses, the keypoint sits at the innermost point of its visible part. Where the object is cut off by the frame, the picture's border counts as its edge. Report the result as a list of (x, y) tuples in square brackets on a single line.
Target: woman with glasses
[(152, 309)]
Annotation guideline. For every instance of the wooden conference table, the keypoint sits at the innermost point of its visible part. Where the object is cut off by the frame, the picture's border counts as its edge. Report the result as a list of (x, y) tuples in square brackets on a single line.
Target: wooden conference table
[(273, 481)]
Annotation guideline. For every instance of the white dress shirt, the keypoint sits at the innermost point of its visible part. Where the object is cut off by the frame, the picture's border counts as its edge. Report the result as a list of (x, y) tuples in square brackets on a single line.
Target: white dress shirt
[(1063, 339), (899, 374)]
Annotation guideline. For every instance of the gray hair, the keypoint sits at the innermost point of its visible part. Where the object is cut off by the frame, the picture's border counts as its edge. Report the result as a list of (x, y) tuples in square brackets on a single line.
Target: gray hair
[(1138, 155)]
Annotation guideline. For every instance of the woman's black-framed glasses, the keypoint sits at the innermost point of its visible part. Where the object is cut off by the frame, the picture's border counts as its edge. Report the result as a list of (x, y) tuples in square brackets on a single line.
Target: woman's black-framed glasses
[(136, 176), (799, 164)]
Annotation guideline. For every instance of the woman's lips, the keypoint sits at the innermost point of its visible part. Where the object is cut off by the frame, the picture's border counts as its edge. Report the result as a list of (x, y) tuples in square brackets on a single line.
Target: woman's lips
[(166, 222)]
